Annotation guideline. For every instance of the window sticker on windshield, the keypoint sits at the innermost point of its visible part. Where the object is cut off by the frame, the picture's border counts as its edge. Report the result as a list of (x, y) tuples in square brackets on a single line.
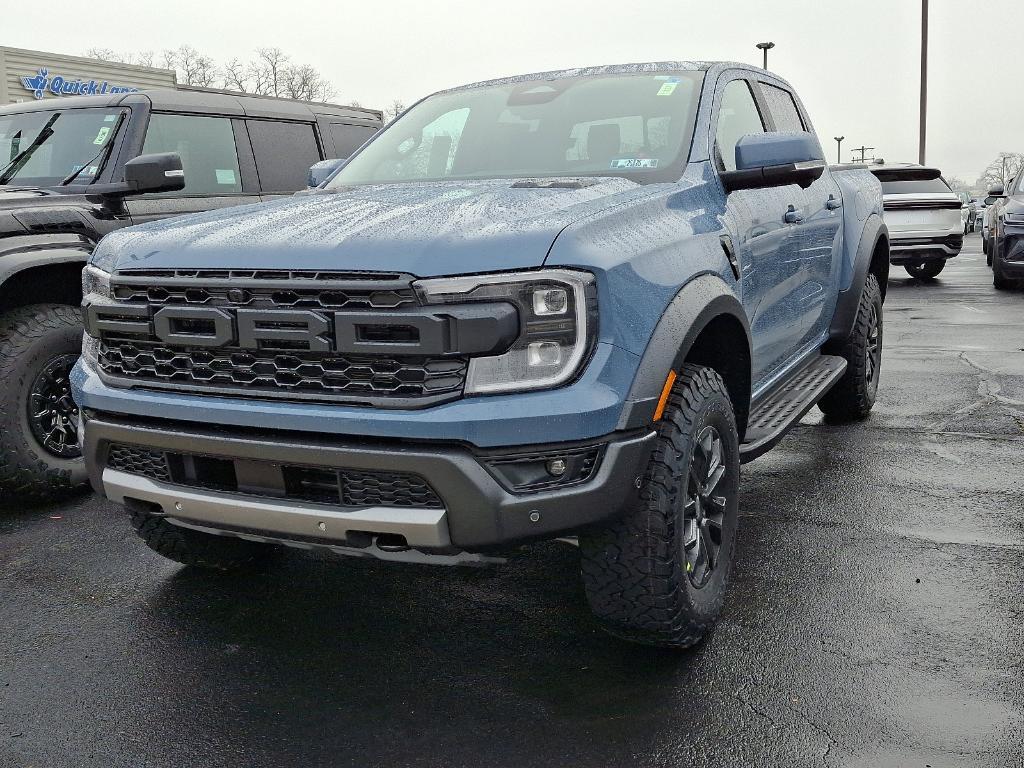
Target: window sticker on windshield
[(667, 89), (109, 118), (225, 176), (625, 163), (102, 135)]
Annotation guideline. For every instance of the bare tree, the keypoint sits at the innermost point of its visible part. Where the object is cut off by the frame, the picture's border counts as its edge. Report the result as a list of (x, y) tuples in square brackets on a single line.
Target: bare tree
[(193, 68), (271, 65), (237, 76), (142, 59), (957, 185), (1002, 169), (393, 111), (304, 82)]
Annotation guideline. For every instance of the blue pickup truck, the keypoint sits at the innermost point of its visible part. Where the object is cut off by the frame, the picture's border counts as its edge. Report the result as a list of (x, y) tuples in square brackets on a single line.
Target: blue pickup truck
[(568, 304)]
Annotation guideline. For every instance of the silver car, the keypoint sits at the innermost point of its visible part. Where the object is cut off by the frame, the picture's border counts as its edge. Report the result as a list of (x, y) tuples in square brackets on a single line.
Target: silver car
[(924, 217)]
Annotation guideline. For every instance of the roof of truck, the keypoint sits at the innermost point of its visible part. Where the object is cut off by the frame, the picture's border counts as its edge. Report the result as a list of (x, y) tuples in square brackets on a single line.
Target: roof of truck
[(189, 99), (616, 69)]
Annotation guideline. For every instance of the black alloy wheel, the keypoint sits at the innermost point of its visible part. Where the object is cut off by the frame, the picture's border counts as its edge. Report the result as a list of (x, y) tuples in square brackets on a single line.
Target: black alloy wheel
[(707, 500), (52, 413)]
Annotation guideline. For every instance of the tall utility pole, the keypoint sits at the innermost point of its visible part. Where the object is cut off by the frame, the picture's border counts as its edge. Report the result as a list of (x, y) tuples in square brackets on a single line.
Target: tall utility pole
[(766, 47), (839, 149), (924, 83)]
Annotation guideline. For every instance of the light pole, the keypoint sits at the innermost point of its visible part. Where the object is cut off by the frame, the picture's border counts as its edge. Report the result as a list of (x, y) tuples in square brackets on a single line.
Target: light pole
[(839, 149), (924, 82), (767, 47)]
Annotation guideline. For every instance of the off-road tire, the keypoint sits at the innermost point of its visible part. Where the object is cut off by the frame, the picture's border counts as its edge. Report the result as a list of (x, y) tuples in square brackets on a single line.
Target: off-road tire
[(853, 396), (634, 567), (926, 270), (198, 549), (30, 337)]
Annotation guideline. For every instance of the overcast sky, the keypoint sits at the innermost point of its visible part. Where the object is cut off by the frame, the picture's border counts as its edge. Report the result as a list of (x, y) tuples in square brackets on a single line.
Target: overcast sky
[(855, 63)]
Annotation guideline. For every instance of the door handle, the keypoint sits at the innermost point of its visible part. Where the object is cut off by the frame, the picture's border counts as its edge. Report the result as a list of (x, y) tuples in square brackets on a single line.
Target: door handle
[(833, 204), (793, 216)]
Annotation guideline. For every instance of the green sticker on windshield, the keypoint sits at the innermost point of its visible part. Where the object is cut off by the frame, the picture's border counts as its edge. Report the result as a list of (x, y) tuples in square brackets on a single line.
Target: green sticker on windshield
[(667, 89), (102, 135)]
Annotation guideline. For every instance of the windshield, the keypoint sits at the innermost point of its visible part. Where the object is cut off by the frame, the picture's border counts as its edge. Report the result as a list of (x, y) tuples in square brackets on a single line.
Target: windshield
[(77, 142), (635, 125)]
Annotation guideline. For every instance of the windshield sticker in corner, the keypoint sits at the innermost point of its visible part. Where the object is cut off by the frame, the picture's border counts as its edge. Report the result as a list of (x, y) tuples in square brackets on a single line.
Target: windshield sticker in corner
[(225, 176), (626, 163), (102, 135)]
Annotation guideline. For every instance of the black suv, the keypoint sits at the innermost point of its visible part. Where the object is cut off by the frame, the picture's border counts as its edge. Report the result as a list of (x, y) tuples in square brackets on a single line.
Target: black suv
[(72, 170), (1006, 240)]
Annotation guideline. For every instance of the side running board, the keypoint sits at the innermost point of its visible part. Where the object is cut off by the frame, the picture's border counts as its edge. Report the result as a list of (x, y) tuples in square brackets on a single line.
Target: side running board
[(774, 416)]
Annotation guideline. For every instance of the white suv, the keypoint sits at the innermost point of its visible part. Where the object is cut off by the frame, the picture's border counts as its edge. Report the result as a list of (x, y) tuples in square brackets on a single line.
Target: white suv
[(924, 217)]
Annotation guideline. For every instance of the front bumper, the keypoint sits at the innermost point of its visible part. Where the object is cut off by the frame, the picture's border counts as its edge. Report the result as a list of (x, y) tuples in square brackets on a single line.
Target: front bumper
[(915, 247), (477, 510)]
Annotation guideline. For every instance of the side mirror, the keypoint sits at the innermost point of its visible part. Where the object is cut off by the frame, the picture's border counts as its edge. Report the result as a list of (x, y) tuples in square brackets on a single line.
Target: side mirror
[(154, 173), (322, 171), (996, 190), (992, 200), (775, 160)]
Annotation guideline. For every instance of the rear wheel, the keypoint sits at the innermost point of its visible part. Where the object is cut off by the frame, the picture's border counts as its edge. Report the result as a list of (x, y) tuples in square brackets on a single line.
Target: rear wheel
[(39, 454), (657, 574), (853, 396), (999, 281), (925, 270)]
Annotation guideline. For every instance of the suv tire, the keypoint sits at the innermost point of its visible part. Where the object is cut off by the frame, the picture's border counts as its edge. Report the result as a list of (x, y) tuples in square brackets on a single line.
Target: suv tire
[(195, 548), (39, 455), (925, 270), (999, 282), (646, 573), (853, 396)]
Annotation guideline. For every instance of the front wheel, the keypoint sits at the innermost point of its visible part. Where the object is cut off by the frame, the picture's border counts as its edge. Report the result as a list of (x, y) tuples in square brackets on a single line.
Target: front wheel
[(999, 282), (853, 396), (39, 454), (925, 270), (657, 573)]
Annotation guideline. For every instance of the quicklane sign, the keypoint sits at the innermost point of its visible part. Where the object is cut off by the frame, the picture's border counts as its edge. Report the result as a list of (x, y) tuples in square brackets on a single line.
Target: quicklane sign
[(62, 86)]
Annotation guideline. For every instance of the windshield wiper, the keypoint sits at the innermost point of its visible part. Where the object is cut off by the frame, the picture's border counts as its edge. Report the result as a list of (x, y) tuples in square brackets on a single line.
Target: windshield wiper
[(22, 157), (100, 158)]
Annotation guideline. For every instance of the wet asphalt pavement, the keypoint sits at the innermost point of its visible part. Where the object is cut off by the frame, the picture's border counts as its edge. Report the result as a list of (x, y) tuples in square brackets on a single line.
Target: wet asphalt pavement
[(876, 614)]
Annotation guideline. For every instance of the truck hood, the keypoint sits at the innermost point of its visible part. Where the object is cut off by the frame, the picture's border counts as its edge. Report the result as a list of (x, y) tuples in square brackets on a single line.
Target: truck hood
[(425, 229)]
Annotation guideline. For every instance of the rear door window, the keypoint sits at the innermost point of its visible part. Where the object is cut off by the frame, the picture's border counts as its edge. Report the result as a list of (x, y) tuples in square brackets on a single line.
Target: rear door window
[(348, 138), (284, 152), (783, 109), (207, 149)]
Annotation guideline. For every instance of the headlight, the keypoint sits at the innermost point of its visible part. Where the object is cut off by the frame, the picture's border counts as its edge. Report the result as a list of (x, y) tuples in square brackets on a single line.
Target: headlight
[(557, 325), (95, 282)]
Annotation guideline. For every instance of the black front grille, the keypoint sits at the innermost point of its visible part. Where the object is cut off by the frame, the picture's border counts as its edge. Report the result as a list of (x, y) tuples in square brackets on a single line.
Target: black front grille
[(139, 461), (321, 485), (273, 372), (281, 369)]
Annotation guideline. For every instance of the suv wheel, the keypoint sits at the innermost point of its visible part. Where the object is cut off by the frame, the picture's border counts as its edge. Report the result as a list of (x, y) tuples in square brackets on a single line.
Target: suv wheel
[(853, 396), (196, 548), (657, 574), (39, 454), (999, 282), (925, 270)]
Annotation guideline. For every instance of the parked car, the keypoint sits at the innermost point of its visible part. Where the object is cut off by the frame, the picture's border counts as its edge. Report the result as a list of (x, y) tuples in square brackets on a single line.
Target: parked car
[(565, 304), (986, 233), (75, 169), (1006, 239), (924, 217), (977, 214)]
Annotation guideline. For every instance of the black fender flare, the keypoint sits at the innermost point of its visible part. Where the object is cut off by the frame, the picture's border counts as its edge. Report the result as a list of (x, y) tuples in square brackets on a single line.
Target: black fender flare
[(22, 253), (849, 300), (697, 303)]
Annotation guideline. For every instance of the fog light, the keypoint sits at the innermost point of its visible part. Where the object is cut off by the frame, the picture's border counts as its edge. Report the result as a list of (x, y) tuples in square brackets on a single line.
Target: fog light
[(550, 301), (556, 467), (544, 353)]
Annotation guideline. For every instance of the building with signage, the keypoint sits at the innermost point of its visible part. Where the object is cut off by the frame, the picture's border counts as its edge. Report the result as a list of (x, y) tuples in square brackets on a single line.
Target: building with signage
[(28, 75)]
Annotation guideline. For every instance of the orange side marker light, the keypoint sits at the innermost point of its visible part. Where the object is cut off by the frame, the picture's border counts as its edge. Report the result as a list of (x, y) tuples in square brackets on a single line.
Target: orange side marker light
[(663, 400)]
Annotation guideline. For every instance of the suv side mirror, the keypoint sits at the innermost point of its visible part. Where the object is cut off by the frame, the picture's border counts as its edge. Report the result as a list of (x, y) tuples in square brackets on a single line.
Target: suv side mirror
[(996, 190), (774, 160), (320, 172), (154, 173)]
